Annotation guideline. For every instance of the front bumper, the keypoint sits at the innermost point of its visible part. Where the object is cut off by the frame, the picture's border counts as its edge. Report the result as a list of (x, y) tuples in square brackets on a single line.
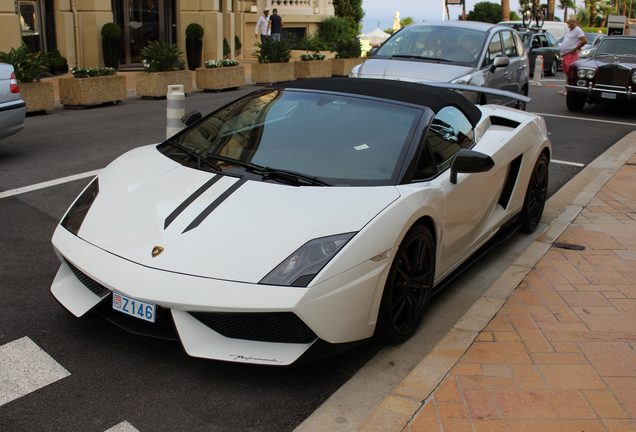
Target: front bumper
[(339, 310), (603, 93)]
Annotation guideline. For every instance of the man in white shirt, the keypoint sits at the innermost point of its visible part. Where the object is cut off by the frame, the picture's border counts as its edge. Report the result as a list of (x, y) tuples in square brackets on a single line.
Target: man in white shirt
[(261, 26), (573, 40)]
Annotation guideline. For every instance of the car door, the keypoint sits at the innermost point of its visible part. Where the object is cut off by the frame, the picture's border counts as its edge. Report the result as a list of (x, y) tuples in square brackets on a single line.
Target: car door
[(469, 203), (546, 51), (517, 67), (497, 78)]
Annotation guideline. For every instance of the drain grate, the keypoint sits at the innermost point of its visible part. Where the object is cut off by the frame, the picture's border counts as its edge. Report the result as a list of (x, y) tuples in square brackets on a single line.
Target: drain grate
[(569, 246)]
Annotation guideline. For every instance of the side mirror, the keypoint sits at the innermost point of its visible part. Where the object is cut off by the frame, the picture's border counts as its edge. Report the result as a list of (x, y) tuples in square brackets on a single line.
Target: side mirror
[(372, 51), (500, 61), (469, 161), (191, 118)]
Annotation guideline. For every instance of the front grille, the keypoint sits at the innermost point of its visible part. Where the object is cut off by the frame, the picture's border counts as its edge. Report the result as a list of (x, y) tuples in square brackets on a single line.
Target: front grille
[(97, 288), (613, 75), (284, 327)]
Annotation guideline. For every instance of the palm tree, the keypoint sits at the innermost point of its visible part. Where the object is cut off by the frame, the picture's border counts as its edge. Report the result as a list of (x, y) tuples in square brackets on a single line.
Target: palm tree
[(551, 5), (505, 10), (565, 5)]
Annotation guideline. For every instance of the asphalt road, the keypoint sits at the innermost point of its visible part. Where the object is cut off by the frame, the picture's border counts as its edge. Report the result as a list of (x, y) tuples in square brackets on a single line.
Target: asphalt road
[(117, 377)]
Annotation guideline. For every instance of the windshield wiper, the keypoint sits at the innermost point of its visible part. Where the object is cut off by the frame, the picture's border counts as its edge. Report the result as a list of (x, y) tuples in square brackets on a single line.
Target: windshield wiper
[(289, 177), (194, 155), (420, 57)]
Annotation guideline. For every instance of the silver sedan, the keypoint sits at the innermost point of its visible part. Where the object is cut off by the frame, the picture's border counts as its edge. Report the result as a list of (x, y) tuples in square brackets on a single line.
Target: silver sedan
[(12, 107)]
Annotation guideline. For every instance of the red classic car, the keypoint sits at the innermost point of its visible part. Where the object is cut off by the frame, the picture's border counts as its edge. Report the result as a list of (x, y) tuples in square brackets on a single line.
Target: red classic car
[(608, 76)]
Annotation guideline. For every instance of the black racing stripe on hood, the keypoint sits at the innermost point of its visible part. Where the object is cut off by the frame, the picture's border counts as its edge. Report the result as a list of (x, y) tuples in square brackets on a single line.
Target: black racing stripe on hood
[(209, 209), (190, 200)]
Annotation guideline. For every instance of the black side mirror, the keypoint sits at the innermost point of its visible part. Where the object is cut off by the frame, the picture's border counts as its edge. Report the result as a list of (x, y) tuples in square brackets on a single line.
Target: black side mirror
[(372, 51), (469, 161), (191, 118)]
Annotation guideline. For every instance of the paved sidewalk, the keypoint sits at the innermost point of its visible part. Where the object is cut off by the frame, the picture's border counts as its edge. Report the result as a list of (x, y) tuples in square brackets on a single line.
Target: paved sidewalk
[(560, 354)]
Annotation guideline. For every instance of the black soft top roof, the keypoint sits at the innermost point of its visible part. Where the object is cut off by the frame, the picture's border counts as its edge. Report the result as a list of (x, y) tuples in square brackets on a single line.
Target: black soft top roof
[(432, 97)]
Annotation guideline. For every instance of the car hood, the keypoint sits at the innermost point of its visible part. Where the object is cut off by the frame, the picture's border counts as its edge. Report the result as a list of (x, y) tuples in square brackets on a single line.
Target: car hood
[(412, 70), (246, 234), (627, 61)]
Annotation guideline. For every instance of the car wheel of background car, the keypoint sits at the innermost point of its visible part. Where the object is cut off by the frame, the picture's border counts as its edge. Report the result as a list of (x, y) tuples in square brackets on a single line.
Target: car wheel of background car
[(575, 102), (535, 195), (408, 287), (522, 105), (554, 66)]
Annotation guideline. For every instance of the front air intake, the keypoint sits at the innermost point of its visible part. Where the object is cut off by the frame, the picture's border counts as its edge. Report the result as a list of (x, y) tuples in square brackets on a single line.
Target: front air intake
[(95, 287)]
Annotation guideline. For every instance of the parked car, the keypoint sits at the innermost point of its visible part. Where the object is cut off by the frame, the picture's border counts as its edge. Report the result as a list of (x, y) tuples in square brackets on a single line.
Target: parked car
[(556, 28), (309, 213), (544, 44), (461, 52), (12, 107), (593, 41), (608, 76)]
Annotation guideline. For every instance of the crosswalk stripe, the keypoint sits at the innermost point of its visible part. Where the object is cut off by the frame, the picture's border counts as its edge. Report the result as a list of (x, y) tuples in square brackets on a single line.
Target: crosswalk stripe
[(123, 427), (48, 184), (25, 368)]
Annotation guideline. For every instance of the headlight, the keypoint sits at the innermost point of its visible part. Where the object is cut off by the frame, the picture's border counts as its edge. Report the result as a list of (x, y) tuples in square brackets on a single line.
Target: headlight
[(302, 266), (634, 77), (462, 80), (355, 71), (76, 214), (586, 73), (585, 53)]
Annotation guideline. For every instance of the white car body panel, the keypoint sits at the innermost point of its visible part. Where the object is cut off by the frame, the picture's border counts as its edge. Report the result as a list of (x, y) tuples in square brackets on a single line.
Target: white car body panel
[(216, 266)]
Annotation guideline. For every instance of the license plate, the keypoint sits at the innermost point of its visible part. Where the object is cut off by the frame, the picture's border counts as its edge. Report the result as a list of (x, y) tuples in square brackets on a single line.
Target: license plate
[(607, 95), (134, 307)]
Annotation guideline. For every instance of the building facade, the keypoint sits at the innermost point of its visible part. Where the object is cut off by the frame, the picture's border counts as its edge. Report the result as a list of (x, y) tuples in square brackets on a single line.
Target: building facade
[(73, 26)]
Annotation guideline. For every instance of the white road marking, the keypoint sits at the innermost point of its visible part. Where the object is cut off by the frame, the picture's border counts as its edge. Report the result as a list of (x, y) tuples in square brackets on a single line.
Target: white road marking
[(25, 368), (576, 164), (586, 119), (123, 427), (47, 184)]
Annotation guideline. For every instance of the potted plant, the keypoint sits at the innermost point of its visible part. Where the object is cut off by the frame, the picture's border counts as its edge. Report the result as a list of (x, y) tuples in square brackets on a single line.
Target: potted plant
[(220, 75), (312, 66), (226, 49), (29, 67), (92, 86), (237, 46), (273, 62), (163, 66), (57, 64), (310, 45), (111, 43), (347, 56), (194, 45)]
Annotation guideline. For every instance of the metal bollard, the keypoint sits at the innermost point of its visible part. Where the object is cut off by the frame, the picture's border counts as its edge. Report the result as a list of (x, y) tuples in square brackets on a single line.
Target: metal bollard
[(175, 109), (538, 72)]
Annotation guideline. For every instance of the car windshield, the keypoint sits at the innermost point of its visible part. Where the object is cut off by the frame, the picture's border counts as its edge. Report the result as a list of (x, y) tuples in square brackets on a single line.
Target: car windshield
[(332, 138), (435, 43), (611, 46)]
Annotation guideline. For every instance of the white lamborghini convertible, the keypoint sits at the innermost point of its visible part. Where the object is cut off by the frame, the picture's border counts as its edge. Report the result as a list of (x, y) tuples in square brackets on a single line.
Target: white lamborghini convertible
[(308, 214)]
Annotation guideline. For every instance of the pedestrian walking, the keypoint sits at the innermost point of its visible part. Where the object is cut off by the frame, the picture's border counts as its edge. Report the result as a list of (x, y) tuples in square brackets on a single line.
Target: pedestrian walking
[(573, 40), (275, 26), (262, 26)]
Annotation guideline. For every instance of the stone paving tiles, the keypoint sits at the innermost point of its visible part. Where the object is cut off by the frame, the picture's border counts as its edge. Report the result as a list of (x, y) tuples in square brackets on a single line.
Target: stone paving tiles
[(560, 355)]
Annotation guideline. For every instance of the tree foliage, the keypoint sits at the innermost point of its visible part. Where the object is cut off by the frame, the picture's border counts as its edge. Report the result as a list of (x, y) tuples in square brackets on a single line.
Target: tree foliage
[(486, 12), (351, 9)]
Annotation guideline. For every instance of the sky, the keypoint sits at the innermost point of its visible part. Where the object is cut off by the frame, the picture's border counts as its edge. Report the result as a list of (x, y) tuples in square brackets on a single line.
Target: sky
[(382, 11)]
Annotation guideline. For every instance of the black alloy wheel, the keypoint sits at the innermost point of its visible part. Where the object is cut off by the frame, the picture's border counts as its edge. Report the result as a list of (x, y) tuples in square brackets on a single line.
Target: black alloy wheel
[(575, 102), (535, 195), (408, 288), (554, 66)]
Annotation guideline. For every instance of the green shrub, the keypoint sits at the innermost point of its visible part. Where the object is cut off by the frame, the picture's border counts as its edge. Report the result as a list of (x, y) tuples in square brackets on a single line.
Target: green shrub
[(28, 66), (237, 44), (226, 48), (56, 59), (311, 43), (213, 64), (160, 56), (111, 32), (80, 72), (194, 31), (313, 56), (273, 51), (348, 48), (336, 29)]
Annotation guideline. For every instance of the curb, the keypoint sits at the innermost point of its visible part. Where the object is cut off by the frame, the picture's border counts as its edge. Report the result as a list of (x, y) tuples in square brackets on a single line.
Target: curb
[(406, 400)]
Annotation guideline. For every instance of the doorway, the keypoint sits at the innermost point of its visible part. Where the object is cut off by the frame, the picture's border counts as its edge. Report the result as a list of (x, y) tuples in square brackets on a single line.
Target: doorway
[(143, 21)]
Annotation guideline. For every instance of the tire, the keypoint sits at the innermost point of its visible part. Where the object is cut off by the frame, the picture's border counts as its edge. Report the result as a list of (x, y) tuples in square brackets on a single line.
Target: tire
[(408, 287), (522, 105), (575, 102), (526, 17), (539, 18), (554, 67), (536, 195)]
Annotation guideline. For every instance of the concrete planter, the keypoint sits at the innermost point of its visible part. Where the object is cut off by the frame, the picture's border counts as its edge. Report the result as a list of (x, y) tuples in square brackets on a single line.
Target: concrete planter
[(269, 73), (295, 54), (342, 67), (220, 78), (38, 96), (312, 69), (155, 84), (92, 91)]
